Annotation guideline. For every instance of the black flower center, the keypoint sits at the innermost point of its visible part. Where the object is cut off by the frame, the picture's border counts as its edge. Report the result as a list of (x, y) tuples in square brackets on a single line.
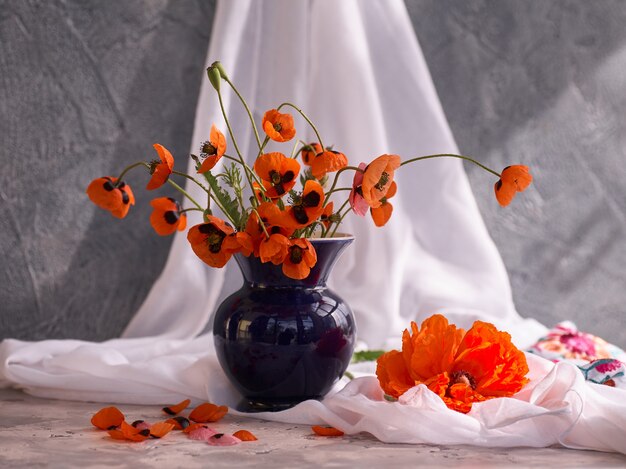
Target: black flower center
[(462, 377), (295, 254), (382, 182)]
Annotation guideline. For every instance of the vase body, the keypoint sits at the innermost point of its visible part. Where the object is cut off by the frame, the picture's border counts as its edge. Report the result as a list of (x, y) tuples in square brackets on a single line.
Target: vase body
[(282, 341)]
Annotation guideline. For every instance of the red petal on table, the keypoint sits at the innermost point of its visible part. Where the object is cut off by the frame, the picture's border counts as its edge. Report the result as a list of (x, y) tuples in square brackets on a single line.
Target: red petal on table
[(202, 433), (221, 439), (107, 418), (245, 435), (178, 408), (208, 412), (326, 431), (160, 429)]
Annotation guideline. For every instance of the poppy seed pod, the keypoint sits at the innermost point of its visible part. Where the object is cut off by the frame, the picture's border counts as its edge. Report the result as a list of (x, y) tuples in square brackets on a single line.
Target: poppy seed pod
[(214, 77), (217, 64)]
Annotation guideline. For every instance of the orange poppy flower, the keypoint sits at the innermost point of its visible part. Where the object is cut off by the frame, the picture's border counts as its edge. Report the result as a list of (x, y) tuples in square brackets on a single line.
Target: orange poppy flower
[(357, 202), (378, 177), (107, 418), (166, 217), (301, 257), (460, 367), (178, 408), (208, 412), (212, 150), (326, 215), (279, 127), (382, 214), (245, 435), (309, 152), (274, 249), (308, 208), (274, 221), (326, 431), (207, 240), (161, 168), (277, 172), (110, 195), (513, 179), (328, 161)]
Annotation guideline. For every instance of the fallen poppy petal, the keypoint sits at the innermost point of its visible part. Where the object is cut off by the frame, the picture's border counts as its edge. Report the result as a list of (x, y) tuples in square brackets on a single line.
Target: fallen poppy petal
[(134, 434), (221, 439), (107, 418), (208, 412), (245, 435), (326, 431), (141, 424), (117, 435), (180, 423), (160, 429), (178, 408), (202, 433), (194, 426)]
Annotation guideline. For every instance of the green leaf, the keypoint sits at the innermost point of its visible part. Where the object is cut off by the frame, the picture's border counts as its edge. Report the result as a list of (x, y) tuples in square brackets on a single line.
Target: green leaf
[(230, 206), (366, 356)]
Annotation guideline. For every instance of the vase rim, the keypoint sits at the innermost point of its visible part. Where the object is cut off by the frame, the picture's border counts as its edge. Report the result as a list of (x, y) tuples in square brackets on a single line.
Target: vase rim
[(342, 236)]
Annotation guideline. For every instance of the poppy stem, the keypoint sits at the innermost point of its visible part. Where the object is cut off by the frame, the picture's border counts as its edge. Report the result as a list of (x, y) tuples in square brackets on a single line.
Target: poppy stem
[(182, 191), (332, 188), (232, 136), (191, 178), (191, 209), (338, 190), (451, 155), (262, 223), (306, 118), (337, 223), (245, 105), (128, 168)]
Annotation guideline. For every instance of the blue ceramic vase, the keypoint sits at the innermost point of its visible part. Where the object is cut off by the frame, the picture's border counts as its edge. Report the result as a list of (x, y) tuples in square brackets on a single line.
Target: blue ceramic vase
[(282, 341)]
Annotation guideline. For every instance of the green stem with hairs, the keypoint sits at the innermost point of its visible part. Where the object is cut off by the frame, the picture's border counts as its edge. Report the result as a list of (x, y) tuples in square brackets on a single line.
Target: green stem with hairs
[(184, 192), (128, 168), (451, 155), (245, 105), (332, 188), (337, 223)]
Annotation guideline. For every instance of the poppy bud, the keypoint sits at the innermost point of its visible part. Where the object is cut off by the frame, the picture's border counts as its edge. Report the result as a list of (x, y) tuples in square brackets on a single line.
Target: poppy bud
[(214, 77), (220, 68)]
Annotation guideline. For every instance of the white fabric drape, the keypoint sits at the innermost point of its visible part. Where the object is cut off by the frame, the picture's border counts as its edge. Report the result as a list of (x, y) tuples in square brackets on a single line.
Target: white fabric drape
[(356, 69)]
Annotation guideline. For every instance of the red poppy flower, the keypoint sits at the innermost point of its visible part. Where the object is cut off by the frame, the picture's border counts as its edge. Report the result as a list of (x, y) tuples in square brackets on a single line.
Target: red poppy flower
[(279, 127), (212, 150), (513, 179), (378, 177), (207, 240), (160, 169), (208, 412), (300, 258), (166, 217), (460, 367), (309, 152), (326, 215), (308, 208), (382, 214), (115, 197), (277, 172), (273, 220), (328, 161), (357, 202), (274, 249)]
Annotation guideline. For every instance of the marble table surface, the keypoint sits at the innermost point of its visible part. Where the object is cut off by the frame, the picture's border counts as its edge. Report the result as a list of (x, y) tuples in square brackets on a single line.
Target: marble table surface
[(48, 433)]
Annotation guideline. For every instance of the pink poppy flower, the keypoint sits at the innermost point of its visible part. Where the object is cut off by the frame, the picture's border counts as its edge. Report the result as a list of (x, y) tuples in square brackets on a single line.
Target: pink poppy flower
[(357, 201)]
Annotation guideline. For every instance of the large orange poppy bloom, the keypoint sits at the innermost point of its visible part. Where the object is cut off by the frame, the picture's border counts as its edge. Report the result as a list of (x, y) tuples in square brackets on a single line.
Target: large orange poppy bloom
[(300, 258), (274, 249), (513, 179), (279, 127), (328, 161), (277, 172), (161, 168), (382, 214), (207, 241), (460, 367), (377, 178), (166, 217), (212, 150), (273, 220), (309, 152), (110, 195), (308, 207)]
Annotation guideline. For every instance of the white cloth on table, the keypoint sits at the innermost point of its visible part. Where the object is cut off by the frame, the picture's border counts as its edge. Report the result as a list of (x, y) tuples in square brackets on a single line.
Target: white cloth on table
[(356, 69)]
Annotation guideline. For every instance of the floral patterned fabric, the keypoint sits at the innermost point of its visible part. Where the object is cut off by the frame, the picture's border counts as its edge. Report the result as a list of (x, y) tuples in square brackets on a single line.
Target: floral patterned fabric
[(595, 357)]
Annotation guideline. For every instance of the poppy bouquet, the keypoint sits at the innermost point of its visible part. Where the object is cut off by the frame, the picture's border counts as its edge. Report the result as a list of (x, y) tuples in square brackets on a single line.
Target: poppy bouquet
[(265, 213)]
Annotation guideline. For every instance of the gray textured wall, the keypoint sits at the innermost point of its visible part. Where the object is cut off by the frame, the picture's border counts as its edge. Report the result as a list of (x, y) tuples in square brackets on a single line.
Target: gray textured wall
[(89, 86)]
